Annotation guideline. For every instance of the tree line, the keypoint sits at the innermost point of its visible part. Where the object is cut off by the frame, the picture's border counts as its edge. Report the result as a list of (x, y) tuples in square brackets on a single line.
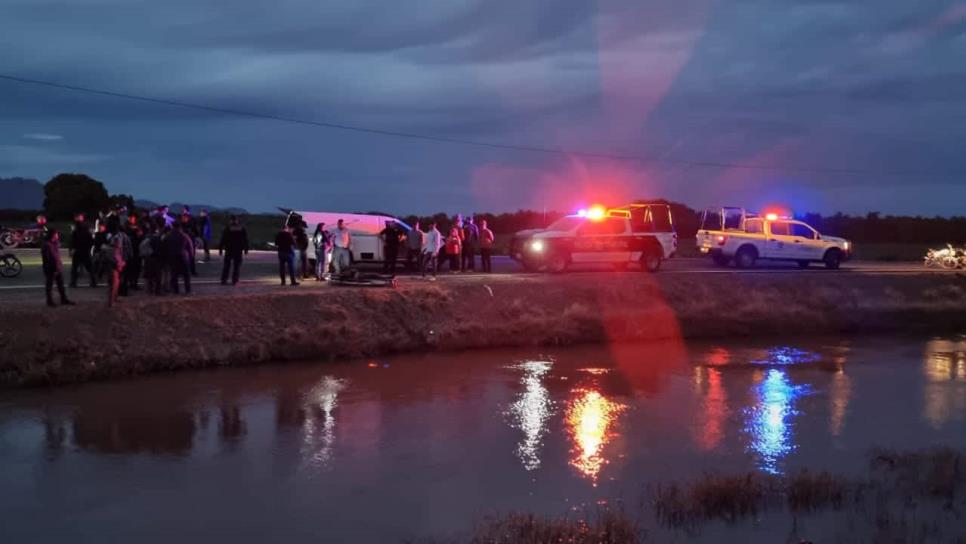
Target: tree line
[(67, 194)]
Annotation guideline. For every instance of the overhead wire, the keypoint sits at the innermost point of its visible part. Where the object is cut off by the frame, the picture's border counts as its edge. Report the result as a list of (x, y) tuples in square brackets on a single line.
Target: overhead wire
[(451, 140)]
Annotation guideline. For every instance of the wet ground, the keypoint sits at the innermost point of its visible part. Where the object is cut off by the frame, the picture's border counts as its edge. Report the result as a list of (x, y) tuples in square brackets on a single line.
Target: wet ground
[(392, 449)]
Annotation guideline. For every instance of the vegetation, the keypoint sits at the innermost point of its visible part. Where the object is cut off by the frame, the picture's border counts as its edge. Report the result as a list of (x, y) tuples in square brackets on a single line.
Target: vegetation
[(906, 497), (877, 237)]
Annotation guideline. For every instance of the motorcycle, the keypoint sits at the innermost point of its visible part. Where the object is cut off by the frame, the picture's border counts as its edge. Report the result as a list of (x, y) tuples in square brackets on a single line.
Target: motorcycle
[(11, 238), (949, 258)]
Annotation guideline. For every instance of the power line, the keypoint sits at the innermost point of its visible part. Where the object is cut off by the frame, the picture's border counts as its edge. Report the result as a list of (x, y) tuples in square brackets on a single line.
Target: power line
[(449, 140)]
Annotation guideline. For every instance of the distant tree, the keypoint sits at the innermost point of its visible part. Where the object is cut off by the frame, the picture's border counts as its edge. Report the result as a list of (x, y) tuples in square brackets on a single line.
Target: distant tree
[(67, 194), (122, 200)]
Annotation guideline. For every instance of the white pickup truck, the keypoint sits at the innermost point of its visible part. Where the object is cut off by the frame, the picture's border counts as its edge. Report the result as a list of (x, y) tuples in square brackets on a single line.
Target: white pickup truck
[(733, 234)]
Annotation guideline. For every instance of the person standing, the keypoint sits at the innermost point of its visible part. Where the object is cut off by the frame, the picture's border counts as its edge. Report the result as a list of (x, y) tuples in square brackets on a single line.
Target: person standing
[(234, 244), (302, 243), (53, 268), (454, 246), (341, 248), (486, 246), (390, 247), (150, 252), (132, 273), (190, 229), (285, 246), (432, 243), (471, 237), (322, 242), (81, 244), (114, 254), (178, 250), (414, 248), (204, 227)]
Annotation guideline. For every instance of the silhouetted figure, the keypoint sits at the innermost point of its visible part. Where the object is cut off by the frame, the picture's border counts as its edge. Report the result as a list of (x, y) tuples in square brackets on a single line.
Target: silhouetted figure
[(53, 268), (454, 246), (81, 244), (302, 243), (178, 250), (471, 238), (285, 247), (234, 243), (132, 272), (414, 247), (390, 247), (204, 229), (190, 229), (322, 241), (486, 247)]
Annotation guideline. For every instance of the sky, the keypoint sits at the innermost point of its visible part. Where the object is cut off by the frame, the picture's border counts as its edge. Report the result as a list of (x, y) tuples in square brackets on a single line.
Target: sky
[(820, 106)]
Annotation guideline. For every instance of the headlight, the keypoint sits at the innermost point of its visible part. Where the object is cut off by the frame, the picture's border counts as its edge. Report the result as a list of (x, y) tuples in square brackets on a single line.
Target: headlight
[(846, 245), (537, 245)]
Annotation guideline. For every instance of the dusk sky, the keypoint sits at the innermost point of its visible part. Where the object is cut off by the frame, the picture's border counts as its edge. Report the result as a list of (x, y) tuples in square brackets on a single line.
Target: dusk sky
[(780, 96)]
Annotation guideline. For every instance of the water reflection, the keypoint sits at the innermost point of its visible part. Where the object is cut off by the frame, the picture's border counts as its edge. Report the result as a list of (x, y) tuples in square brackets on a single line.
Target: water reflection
[(786, 355), (318, 425), (590, 421), (714, 407), (944, 366), (769, 424), (840, 393), (531, 412)]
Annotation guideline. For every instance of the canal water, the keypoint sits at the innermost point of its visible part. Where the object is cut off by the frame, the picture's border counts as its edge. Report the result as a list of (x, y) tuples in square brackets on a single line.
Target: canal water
[(424, 446)]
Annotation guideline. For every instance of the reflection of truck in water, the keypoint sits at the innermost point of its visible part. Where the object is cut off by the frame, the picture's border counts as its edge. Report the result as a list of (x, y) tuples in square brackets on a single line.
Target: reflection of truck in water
[(734, 234), (364, 229)]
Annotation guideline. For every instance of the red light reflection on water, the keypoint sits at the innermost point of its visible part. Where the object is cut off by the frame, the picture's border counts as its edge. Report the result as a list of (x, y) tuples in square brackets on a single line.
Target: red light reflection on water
[(590, 420)]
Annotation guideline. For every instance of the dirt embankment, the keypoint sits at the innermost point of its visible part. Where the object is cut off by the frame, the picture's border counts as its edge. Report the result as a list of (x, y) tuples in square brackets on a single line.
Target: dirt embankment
[(40, 345)]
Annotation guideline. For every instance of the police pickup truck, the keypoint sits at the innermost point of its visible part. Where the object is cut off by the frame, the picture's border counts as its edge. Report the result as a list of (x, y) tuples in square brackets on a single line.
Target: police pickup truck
[(639, 233), (733, 234)]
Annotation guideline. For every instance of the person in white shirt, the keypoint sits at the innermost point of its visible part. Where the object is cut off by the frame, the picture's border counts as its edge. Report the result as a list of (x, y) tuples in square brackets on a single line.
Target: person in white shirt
[(341, 245), (432, 243)]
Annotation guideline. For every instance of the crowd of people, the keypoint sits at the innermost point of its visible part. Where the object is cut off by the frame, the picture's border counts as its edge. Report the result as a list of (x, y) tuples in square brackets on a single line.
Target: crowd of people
[(425, 250), (122, 249)]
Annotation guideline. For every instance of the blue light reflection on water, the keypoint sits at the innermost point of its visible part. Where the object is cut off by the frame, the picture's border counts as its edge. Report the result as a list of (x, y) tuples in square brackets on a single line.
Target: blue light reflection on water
[(769, 421), (787, 355)]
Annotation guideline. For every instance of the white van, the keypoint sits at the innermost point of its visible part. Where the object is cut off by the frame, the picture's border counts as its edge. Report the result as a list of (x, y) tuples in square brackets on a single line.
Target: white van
[(364, 229)]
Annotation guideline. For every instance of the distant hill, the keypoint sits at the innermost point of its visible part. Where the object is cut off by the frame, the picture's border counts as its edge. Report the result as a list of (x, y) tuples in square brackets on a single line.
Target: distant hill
[(176, 207), (21, 194)]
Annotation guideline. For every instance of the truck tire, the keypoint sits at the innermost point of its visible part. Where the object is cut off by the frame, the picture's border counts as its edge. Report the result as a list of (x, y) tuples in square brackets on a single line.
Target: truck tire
[(651, 260), (746, 257), (833, 259), (557, 263)]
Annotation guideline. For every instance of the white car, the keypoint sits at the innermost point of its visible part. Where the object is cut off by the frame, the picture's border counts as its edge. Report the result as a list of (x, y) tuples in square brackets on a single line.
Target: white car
[(639, 234), (731, 234)]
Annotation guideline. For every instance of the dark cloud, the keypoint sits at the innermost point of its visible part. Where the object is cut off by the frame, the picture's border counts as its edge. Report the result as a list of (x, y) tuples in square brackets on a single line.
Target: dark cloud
[(873, 85)]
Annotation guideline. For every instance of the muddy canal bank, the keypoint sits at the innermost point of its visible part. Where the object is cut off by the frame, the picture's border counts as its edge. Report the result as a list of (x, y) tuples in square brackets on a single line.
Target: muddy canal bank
[(42, 346)]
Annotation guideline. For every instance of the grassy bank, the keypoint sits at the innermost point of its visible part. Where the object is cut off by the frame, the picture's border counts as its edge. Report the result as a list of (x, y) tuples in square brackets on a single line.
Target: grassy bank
[(40, 346)]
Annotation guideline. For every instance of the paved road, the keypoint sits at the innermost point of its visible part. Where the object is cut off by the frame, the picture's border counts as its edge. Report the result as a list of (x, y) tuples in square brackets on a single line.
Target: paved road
[(260, 268)]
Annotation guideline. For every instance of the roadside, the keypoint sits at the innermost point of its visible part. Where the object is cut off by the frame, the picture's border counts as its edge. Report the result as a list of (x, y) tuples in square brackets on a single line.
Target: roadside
[(265, 322)]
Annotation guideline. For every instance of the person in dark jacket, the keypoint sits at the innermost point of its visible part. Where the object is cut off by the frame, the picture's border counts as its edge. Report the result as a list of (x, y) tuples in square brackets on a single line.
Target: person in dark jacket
[(53, 268), (81, 243), (302, 244), (234, 243), (390, 247), (285, 246), (190, 229), (132, 273), (204, 230), (179, 250), (471, 239)]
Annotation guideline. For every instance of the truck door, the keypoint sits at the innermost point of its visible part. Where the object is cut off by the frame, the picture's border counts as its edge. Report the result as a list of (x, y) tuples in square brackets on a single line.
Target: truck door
[(779, 243), (602, 241), (807, 242)]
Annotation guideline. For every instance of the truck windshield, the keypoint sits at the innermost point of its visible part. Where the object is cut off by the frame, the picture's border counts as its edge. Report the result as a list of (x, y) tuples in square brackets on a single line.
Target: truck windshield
[(566, 224)]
